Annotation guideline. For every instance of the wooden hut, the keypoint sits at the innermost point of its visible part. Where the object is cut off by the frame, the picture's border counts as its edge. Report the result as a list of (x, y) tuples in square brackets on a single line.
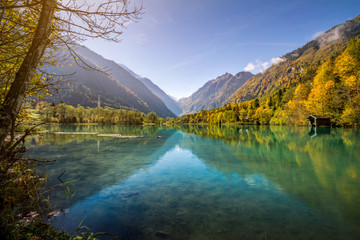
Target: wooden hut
[(319, 121)]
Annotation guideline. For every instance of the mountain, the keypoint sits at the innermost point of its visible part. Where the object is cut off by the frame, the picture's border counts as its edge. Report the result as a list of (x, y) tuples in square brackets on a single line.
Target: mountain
[(170, 102), (117, 89), (295, 64), (320, 78), (214, 92)]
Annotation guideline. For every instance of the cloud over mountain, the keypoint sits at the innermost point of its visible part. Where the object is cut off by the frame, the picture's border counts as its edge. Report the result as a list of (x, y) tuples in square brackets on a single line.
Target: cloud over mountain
[(260, 66)]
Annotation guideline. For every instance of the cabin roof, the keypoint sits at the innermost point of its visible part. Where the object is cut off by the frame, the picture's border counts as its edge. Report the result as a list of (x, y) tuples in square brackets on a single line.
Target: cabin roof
[(319, 117)]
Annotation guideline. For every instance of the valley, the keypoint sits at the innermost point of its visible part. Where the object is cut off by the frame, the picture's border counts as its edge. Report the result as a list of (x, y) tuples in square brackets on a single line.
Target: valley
[(179, 120)]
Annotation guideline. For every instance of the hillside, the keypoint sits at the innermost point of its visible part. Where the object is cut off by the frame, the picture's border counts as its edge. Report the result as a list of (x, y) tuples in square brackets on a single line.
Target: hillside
[(292, 69), (117, 89), (322, 78), (169, 102), (214, 93)]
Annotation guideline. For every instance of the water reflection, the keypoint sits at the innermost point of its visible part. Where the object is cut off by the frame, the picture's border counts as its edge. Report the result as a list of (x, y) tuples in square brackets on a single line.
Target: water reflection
[(91, 162), (248, 182), (318, 131), (322, 171)]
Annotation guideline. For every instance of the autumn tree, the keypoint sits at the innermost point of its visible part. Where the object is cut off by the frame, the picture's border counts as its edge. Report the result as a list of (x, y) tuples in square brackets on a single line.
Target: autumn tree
[(321, 96), (347, 67), (151, 117), (38, 24)]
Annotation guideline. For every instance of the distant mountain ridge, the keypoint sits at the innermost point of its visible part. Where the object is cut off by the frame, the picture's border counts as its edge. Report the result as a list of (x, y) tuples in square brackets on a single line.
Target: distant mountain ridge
[(277, 76), (118, 89), (214, 93), (123, 88), (171, 103)]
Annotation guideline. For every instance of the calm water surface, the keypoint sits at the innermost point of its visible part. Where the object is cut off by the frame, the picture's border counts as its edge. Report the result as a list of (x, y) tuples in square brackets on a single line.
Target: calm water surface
[(243, 182)]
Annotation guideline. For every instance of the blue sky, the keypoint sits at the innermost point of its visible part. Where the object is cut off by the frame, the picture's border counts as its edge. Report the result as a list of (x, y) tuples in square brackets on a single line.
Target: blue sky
[(181, 44)]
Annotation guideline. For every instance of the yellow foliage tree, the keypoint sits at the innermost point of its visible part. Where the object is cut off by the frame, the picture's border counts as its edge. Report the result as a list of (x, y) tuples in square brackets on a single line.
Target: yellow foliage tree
[(321, 98), (324, 73), (301, 92), (297, 111), (346, 65)]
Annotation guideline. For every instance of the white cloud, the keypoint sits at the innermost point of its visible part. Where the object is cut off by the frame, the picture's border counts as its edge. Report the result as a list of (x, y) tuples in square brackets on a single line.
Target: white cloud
[(260, 66), (265, 65), (249, 67), (333, 35), (316, 35), (277, 60)]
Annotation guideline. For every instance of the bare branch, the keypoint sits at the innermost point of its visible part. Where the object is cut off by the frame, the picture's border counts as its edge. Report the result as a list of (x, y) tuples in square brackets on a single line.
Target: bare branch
[(78, 59), (36, 23), (4, 6), (97, 20)]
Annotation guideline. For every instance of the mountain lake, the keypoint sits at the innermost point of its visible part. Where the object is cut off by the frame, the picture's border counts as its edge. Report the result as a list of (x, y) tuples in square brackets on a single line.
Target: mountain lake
[(203, 182)]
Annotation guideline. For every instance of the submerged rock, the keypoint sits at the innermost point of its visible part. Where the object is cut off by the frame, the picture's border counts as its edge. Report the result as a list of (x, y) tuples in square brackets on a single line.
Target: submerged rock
[(76, 133), (131, 195), (117, 136), (161, 234)]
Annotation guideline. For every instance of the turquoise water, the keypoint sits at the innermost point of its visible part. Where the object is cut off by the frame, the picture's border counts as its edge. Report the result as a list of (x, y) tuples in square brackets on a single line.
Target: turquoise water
[(243, 182)]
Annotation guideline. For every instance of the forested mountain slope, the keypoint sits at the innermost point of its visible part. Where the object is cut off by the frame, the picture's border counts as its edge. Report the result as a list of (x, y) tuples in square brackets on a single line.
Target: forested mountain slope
[(214, 92), (117, 89), (325, 84), (169, 102), (297, 64)]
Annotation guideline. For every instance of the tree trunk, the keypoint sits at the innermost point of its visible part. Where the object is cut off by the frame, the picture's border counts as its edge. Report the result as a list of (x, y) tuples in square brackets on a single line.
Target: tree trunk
[(14, 98)]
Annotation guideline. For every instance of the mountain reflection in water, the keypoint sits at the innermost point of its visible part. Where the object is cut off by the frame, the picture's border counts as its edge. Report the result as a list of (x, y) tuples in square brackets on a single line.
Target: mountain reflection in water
[(247, 182)]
